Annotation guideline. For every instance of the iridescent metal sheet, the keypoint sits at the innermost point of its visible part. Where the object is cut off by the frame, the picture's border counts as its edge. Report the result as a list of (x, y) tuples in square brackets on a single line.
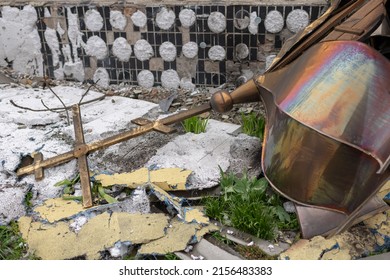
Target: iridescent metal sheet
[(328, 126)]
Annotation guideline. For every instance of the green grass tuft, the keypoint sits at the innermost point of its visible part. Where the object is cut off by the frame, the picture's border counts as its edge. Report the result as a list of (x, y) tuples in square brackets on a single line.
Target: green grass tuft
[(253, 125), (248, 205), (12, 246), (195, 124)]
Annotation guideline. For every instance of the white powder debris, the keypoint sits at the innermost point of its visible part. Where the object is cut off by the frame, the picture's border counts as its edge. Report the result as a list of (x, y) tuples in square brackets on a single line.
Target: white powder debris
[(190, 49), (78, 223), (165, 18), (254, 23), (187, 17), (52, 41), (121, 49), (297, 20), (242, 51), (274, 22), (145, 79), (96, 47), (167, 51), (143, 50), (170, 79), (186, 83), (93, 20), (101, 77), (139, 19), (216, 22), (217, 53), (118, 20)]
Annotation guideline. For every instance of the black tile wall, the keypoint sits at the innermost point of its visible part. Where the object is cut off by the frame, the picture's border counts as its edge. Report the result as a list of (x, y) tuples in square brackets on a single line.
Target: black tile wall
[(200, 33)]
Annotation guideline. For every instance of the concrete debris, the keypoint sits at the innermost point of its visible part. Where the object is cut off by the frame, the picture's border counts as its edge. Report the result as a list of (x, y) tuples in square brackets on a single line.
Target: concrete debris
[(168, 179), (57, 241), (57, 209), (358, 242), (176, 239)]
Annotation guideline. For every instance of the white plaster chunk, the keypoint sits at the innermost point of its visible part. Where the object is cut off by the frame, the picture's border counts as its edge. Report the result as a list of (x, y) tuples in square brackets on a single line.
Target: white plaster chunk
[(187, 17), (242, 20), (52, 41), (165, 18), (145, 79), (74, 34), (217, 53), (242, 51), (254, 23), (190, 49), (202, 153), (139, 19), (118, 20), (11, 203), (274, 22), (74, 69), (93, 20), (216, 22), (167, 51), (297, 20), (20, 41), (96, 47), (143, 50), (101, 77), (121, 49), (170, 79), (186, 83)]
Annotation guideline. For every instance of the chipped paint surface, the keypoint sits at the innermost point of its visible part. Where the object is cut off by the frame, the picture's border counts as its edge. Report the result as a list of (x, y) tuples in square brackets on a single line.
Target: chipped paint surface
[(168, 179), (195, 215), (359, 241), (57, 242), (56, 209), (178, 235)]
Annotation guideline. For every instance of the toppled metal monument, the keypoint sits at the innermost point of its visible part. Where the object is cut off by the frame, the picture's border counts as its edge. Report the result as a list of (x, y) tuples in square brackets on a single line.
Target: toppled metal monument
[(327, 141)]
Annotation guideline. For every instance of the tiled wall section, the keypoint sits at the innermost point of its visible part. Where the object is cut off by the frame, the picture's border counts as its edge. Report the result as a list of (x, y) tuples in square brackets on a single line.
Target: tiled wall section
[(77, 58)]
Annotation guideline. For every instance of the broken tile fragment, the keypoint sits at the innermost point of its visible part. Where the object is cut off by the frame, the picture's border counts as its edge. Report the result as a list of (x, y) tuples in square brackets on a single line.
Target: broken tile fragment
[(168, 179)]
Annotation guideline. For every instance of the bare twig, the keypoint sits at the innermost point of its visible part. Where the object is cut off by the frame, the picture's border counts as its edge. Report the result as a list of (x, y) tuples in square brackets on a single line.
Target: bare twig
[(51, 110), (57, 110), (63, 104), (85, 93)]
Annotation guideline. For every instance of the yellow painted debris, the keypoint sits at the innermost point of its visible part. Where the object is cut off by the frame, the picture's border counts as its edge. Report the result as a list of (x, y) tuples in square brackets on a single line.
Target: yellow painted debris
[(168, 179), (308, 249), (57, 208), (58, 242), (195, 215), (177, 238), (380, 222), (384, 190)]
